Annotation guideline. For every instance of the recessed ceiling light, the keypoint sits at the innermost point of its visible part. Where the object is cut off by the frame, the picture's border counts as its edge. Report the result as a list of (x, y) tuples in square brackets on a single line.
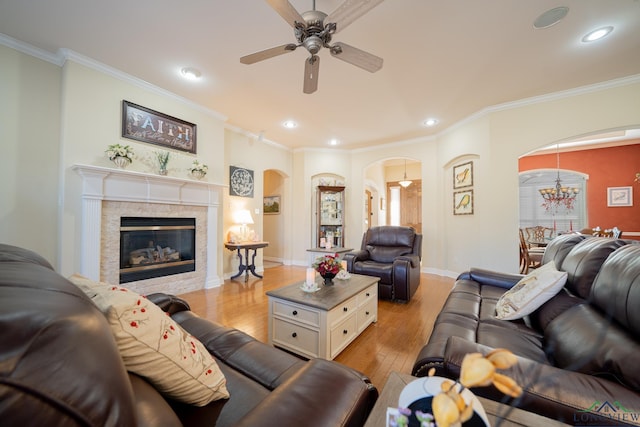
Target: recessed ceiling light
[(290, 124), (550, 17), (597, 34), (333, 141), (430, 122), (190, 73)]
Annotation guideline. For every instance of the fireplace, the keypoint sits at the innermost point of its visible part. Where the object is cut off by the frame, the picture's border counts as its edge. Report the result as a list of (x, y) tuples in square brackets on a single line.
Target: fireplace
[(156, 247), (109, 194)]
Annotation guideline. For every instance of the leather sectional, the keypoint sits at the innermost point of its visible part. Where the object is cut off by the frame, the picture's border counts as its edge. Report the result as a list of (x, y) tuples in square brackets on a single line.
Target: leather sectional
[(578, 352), (60, 365)]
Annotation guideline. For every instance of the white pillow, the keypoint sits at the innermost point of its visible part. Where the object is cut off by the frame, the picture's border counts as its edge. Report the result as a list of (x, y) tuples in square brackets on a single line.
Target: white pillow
[(530, 292), (154, 346)]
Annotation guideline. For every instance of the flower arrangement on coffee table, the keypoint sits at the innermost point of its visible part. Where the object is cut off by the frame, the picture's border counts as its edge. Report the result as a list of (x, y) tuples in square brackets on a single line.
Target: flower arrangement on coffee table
[(328, 266)]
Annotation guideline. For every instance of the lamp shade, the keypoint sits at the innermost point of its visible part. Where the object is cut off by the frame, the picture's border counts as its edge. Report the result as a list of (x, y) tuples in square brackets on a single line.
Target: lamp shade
[(242, 216)]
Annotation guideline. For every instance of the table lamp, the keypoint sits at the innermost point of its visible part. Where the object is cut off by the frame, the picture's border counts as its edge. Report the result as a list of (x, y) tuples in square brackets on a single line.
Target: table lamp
[(243, 217)]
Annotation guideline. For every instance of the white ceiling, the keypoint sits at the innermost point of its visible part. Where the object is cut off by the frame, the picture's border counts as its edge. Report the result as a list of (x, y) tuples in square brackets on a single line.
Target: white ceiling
[(446, 59)]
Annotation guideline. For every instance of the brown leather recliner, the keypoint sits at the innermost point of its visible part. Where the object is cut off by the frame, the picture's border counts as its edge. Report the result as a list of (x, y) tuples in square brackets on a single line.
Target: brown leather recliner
[(393, 254)]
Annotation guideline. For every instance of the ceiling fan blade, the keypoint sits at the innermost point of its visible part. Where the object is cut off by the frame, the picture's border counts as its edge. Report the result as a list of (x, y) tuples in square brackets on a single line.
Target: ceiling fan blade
[(349, 11), (356, 57), (287, 11), (268, 53), (311, 70)]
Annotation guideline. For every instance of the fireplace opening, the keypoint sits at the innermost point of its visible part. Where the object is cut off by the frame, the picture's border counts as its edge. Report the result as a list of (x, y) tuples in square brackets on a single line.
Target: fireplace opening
[(156, 247)]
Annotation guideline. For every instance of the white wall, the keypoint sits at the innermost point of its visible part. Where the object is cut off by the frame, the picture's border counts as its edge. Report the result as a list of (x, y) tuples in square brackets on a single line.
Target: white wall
[(248, 152)]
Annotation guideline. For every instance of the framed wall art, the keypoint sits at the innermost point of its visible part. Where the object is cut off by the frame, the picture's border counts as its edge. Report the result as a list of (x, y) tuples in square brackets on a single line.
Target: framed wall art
[(146, 125), (240, 182), (463, 175), (619, 196), (463, 202), (271, 205)]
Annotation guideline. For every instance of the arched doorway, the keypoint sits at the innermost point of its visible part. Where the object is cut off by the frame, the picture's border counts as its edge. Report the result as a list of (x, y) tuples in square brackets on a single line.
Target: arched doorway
[(273, 223), (396, 204)]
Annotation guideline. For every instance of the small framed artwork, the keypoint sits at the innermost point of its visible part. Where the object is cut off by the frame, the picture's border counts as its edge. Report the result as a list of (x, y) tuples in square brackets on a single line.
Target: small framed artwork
[(271, 205), (240, 182), (619, 196), (463, 175), (463, 202), (146, 125)]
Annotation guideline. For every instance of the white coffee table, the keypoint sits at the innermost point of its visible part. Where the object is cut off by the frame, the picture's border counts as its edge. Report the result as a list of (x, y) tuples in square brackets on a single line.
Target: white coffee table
[(322, 323)]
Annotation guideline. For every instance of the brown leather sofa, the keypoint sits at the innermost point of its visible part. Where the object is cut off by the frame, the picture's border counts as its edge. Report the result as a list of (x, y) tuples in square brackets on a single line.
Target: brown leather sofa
[(393, 254), (578, 352), (59, 365)]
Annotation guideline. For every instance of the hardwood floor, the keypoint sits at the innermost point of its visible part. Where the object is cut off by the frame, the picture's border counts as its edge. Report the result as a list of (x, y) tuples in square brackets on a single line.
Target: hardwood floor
[(391, 344)]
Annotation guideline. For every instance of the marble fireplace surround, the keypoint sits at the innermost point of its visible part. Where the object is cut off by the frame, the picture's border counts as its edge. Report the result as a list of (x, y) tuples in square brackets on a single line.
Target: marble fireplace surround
[(108, 194)]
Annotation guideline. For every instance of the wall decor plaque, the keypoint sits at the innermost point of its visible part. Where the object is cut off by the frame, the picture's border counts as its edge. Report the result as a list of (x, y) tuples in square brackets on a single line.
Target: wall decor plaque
[(240, 182)]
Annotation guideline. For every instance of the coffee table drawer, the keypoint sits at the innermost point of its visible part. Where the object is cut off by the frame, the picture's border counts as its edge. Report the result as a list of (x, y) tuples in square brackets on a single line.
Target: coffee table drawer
[(367, 314), (343, 334), (297, 338), (296, 313), (342, 311), (367, 295)]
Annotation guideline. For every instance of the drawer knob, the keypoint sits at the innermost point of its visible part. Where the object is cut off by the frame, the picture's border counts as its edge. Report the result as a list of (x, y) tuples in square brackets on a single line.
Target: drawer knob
[(345, 309), (366, 312), (294, 334), (295, 312), (368, 294), (345, 332)]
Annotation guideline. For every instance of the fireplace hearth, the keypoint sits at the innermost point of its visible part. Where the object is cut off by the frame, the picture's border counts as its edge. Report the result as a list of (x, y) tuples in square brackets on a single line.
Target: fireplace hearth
[(156, 247)]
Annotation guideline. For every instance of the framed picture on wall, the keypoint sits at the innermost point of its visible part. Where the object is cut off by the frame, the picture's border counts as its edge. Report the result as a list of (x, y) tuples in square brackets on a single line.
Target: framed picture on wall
[(271, 205), (619, 196), (463, 202), (146, 125), (463, 175)]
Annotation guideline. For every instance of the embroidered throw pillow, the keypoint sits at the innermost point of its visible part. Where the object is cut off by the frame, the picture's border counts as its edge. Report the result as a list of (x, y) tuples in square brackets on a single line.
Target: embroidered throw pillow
[(530, 292), (154, 346)]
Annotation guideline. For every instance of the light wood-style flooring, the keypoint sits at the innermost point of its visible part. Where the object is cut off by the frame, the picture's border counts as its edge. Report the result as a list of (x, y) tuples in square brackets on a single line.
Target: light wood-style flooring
[(391, 344)]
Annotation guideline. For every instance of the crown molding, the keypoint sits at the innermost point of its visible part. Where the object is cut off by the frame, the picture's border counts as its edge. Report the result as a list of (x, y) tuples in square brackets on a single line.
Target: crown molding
[(31, 50)]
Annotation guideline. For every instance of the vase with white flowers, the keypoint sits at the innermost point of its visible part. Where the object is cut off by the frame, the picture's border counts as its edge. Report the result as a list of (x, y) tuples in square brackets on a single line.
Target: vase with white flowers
[(121, 155), (198, 170)]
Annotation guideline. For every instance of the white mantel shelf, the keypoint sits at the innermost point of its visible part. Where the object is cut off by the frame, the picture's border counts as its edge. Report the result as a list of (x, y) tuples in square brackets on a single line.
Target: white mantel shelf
[(123, 185), (109, 184)]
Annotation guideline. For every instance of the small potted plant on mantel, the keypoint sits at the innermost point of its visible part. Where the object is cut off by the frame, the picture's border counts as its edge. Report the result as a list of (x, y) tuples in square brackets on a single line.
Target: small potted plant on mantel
[(121, 155)]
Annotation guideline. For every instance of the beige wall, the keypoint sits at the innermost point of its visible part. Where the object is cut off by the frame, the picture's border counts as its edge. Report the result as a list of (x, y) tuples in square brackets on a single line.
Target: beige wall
[(77, 111), (91, 120), (30, 141)]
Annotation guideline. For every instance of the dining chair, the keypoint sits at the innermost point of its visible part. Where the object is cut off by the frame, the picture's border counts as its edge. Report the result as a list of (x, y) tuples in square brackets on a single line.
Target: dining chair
[(538, 235), (530, 258)]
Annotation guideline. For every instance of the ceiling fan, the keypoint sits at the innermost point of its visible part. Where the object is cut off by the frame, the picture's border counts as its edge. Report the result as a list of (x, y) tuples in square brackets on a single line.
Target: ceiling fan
[(314, 30)]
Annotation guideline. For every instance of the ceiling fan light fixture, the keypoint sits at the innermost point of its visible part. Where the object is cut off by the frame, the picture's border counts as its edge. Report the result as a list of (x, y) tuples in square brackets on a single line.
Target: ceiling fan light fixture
[(190, 73), (597, 34)]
